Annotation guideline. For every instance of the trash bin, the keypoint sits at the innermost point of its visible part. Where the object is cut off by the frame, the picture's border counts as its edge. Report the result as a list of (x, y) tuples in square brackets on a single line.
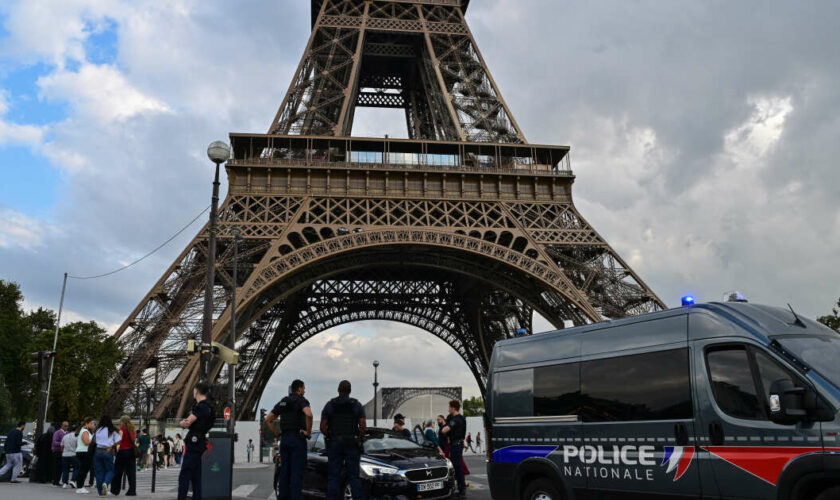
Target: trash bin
[(217, 467)]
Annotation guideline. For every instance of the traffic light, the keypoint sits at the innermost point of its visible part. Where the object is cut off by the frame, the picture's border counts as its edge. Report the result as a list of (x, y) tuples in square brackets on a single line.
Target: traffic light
[(38, 366)]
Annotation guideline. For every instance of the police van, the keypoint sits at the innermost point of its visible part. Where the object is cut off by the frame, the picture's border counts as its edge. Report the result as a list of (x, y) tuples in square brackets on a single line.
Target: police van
[(718, 400)]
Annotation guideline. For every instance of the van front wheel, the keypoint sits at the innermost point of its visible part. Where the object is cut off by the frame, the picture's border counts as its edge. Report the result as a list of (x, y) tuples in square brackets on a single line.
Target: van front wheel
[(542, 489), (829, 494)]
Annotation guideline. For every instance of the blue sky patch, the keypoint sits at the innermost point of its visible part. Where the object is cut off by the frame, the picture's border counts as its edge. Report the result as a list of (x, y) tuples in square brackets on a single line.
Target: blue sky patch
[(101, 44), (30, 184), (25, 107)]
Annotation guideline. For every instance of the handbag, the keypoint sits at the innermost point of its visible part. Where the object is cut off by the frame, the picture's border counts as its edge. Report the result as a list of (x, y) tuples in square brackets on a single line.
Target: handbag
[(134, 447)]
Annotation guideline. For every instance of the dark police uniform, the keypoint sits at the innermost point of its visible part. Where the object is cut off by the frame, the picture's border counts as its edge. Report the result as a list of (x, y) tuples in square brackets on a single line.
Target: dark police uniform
[(292, 446), (342, 415), (457, 430), (194, 445)]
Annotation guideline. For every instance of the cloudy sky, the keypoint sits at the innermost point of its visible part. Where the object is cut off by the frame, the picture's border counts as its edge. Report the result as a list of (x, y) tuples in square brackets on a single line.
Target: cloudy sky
[(704, 135)]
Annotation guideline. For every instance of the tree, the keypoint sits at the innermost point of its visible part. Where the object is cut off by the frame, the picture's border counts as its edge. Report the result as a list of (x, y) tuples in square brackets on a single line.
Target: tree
[(474, 406), (14, 339), (832, 320), (85, 363)]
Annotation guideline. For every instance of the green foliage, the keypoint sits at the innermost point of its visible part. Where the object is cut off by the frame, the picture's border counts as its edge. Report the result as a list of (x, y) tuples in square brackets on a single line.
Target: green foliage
[(473, 407), (85, 363), (14, 338), (832, 320), (5, 402)]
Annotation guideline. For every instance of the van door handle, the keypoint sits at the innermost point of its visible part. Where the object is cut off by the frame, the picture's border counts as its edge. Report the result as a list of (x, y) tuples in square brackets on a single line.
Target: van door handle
[(681, 433), (716, 433)]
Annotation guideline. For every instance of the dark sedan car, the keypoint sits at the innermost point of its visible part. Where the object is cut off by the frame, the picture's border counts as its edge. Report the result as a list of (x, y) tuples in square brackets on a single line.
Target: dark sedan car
[(392, 468)]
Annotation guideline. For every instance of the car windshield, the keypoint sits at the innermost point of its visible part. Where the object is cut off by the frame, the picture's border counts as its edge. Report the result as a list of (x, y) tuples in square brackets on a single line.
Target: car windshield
[(384, 441), (820, 353)]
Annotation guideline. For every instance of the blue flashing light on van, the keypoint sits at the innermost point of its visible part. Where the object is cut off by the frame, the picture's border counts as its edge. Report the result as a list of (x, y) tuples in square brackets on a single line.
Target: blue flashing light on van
[(717, 400), (688, 300)]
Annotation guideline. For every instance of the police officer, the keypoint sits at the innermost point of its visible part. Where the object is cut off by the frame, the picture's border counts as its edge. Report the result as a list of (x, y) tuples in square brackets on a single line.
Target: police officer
[(295, 428), (343, 423), (456, 429), (199, 422)]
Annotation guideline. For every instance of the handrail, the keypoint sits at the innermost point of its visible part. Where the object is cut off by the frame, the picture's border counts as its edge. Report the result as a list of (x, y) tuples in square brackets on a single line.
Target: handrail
[(248, 162)]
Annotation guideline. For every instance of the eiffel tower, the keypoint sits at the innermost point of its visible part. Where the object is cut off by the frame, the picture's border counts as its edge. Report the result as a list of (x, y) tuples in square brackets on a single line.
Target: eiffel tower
[(464, 229)]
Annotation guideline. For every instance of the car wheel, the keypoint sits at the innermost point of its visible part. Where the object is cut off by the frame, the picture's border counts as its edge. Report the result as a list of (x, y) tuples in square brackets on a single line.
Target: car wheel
[(831, 493), (541, 489)]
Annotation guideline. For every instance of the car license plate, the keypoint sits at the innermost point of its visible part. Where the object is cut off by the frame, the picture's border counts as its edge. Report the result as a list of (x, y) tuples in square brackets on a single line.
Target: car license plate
[(437, 485)]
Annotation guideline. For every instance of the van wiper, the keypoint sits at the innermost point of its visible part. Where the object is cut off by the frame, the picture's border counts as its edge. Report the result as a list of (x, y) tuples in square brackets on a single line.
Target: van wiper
[(798, 321)]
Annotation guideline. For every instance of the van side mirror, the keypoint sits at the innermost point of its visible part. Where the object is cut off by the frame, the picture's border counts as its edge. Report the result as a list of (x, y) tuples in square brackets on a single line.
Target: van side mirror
[(790, 404), (786, 402)]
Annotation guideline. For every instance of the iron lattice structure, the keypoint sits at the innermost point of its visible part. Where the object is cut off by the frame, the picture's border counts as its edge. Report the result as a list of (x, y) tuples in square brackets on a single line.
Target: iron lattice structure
[(394, 397), (463, 230)]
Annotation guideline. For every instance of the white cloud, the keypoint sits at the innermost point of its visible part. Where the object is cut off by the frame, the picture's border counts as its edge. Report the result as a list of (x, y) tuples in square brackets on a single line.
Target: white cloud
[(20, 230), (14, 133), (100, 92), (409, 356)]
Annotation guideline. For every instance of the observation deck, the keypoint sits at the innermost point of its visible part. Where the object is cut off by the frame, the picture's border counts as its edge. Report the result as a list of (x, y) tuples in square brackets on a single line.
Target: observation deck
[(376, 167)]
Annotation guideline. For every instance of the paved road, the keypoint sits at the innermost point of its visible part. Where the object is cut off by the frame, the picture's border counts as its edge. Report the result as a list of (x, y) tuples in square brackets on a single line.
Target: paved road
[(252, 481)]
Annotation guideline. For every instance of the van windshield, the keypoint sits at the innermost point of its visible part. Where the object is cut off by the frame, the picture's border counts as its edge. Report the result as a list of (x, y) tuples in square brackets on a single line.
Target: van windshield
[(820, 352)]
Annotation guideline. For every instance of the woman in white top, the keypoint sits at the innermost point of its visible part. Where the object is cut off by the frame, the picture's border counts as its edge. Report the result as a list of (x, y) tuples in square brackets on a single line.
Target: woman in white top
[(106, 437), (85, 460)]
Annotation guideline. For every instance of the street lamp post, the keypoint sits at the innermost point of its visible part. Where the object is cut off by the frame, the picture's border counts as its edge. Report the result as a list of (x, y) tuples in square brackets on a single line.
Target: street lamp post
[(237, 236), (375, 390), (218, 152)]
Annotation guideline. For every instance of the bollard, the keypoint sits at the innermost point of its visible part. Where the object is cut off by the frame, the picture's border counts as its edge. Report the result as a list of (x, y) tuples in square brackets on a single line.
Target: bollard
[(154, 465)]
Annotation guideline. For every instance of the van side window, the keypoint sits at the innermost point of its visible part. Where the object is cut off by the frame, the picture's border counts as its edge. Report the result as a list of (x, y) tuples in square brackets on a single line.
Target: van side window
[(733, 384), (514, 393), (557, 390), (769, 371), (649, 386)]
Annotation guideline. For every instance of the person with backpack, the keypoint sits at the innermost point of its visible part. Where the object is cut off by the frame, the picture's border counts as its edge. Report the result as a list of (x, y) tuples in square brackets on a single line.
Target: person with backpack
[(83, 444), (107, 438), (198, 422), (343, 423), (126, 458)]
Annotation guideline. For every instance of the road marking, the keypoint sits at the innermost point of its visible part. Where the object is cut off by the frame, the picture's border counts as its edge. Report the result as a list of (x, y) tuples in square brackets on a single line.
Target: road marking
[(244, 490)]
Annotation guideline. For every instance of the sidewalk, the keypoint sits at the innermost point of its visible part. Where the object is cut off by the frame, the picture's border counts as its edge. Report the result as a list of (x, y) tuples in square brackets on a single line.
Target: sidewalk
[(166, 485), (34, 491)]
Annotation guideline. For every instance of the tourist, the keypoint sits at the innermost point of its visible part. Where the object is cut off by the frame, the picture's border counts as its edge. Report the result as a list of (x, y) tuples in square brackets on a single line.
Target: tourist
[(14, 457), (478, 442), (443, 439), (68, 458), (143, 444), (43, 457), (468, 441), (179, 449), (125, 462), (431, 436), (107, 437), (82, 453), (249, 449), (55, 449)]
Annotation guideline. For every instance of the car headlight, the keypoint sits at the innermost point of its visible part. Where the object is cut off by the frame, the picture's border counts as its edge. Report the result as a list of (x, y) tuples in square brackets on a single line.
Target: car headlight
[(449, 464), (375, 470)]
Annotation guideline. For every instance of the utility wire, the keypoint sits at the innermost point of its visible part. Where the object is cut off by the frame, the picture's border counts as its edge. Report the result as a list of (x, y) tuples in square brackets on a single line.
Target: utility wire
[(115, 271)]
